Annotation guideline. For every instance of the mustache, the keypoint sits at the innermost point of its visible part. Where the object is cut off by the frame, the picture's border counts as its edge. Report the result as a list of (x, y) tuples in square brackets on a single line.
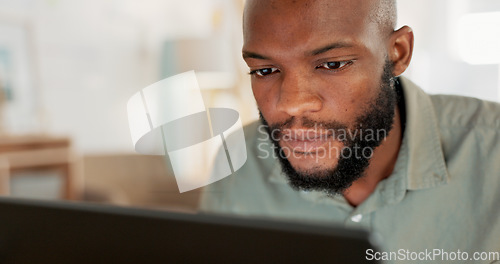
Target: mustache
[(305, 123)]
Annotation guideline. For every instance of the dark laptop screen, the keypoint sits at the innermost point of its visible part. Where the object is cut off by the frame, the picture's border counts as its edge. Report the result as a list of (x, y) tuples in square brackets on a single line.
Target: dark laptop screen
[(63, 232)]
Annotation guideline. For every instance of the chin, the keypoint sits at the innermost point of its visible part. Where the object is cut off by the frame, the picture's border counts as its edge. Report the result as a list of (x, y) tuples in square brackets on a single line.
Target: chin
[(322, 160), (312, 164)]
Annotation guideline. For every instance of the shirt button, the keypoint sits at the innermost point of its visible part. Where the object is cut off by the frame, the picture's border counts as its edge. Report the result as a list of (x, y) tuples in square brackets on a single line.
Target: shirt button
[(357, 218)]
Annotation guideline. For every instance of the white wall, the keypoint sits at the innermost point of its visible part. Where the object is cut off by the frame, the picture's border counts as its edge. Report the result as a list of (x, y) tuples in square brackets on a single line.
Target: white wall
[(93, 55), (436, 66)]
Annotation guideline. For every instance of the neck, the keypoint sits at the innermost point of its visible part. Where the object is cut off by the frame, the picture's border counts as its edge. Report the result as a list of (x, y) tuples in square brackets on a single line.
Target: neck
[(381, 165)]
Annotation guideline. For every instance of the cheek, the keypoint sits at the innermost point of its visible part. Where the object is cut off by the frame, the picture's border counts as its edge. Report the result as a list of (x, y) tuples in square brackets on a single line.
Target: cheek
[(347, 99), (259, 98), (265, 98)]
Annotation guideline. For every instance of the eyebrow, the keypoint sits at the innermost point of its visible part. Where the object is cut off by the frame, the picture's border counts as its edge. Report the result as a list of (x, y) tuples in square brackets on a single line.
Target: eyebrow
[(336, 45), (253, 55)]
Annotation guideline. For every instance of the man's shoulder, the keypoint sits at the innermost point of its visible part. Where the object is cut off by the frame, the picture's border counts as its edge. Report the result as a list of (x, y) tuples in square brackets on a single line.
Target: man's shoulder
[(461, 112), (470, 131), (253, 129)]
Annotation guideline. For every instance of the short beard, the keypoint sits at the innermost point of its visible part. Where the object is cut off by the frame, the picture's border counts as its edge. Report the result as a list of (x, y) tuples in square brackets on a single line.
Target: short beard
[(379, 116)]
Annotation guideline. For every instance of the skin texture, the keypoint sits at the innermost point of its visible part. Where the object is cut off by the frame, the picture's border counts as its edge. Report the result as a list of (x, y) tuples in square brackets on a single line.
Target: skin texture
[(287, 40)]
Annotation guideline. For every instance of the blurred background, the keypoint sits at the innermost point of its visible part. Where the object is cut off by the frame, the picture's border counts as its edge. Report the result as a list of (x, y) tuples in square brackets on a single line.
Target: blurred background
[(68, 67)]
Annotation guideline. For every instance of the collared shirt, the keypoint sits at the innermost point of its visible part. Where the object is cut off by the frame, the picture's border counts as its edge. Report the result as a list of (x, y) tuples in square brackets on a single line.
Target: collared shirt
[(444, 191)]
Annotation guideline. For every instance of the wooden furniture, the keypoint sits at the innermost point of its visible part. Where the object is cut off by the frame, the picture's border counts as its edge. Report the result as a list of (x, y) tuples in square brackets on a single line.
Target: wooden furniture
[(4, 176), (40, 152), (136, 180)]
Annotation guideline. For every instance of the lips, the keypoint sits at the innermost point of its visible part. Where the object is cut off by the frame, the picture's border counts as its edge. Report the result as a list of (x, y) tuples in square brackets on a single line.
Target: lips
[(305, 141)]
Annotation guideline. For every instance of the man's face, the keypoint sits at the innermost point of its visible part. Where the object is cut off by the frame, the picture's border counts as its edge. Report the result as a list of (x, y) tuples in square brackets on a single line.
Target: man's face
[(317, 70)]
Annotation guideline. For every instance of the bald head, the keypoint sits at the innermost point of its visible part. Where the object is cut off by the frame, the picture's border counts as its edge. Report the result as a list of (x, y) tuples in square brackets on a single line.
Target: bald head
[(384, 13), (381, 12)]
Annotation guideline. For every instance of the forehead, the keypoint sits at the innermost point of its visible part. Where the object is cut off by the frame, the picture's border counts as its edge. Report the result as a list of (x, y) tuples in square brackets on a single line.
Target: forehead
[(305, 24)]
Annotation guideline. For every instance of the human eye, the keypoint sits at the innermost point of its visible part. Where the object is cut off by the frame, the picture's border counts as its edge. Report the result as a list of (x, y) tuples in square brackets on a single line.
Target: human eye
[(334, 65), (263, 72)]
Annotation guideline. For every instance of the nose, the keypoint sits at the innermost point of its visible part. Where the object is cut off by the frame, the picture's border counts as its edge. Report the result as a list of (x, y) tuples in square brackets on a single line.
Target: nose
[(298, 95)]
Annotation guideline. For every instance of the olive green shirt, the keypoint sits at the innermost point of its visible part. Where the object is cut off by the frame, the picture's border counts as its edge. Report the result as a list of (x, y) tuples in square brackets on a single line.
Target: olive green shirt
[(444, 192)]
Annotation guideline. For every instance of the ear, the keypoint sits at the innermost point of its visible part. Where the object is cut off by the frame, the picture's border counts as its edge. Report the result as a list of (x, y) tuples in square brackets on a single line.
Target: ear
[(401, 49)]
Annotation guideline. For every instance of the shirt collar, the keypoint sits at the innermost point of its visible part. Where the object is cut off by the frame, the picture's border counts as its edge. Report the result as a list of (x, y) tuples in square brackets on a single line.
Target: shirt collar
[(426, 166), (421, 149)]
